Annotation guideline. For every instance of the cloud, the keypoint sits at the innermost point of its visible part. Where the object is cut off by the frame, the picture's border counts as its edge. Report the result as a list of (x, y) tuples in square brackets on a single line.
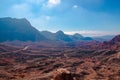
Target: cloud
[(35, 1), (91, 1), (92, 33), (40, 22), (75, 6), (20, 10), (47, 17), (52, 3)]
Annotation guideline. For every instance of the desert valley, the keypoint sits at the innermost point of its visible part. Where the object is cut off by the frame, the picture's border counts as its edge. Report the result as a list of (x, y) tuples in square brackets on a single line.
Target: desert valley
[(29, 54)]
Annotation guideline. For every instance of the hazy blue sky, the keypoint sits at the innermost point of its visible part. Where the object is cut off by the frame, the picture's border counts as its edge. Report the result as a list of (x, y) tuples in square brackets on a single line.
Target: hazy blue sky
[(88, 17)]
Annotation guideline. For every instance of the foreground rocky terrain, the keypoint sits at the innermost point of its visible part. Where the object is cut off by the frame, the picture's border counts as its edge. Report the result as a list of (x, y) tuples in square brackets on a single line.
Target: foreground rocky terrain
[(93, 63)]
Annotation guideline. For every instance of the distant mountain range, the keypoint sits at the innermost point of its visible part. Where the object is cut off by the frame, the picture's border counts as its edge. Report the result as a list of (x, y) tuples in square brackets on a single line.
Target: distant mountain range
[(104, 38), (20, 29), (60, 36)]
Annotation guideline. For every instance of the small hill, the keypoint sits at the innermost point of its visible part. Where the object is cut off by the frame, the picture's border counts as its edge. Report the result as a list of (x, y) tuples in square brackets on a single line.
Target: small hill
[(59, 35), (48, 35)]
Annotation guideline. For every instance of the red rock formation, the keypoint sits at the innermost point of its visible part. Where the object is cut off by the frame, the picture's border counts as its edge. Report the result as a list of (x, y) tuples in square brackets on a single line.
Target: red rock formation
[(62, 74)]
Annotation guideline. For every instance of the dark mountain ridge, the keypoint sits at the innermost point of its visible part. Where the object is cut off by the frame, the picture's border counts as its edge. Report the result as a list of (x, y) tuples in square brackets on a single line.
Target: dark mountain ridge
[(18, 29)]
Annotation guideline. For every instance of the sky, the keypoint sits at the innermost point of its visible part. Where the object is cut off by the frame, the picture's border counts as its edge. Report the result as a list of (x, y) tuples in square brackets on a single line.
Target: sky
[(87, 17)]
